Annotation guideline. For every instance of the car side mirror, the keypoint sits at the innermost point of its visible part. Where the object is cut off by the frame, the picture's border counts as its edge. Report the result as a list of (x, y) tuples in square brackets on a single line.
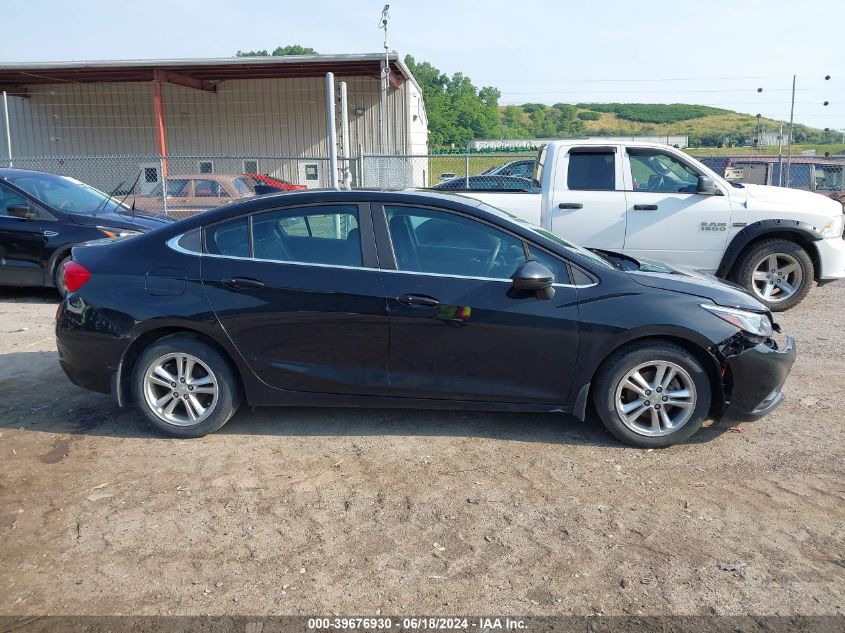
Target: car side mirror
[(534, 277), (23, 211), (707, 187)]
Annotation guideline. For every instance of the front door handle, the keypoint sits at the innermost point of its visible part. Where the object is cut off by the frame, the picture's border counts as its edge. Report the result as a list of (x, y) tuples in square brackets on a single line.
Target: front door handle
[(570, 205), (419, 300), (243, 282), (645, 207)]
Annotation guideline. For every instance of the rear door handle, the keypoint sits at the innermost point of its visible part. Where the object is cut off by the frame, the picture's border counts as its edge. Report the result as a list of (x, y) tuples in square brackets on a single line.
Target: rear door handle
[(419, 300), (243, 282), (570, 205), (645, 207)]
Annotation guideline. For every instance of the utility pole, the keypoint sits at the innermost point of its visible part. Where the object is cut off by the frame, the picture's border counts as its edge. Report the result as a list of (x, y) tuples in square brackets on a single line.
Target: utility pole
[(789, 140), (780, 155), (384, 127)]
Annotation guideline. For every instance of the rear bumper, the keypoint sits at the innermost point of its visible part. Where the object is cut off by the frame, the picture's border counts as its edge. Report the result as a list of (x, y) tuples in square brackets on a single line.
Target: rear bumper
[(88, 355), (758, 374)]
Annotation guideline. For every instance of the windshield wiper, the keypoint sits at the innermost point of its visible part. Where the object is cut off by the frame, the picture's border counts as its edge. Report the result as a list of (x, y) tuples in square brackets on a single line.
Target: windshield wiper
[(123, 200), (105, 200)]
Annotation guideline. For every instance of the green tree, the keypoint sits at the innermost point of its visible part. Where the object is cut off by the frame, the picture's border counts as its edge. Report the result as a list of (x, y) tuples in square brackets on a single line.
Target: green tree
[(279, 51), (458, 112)]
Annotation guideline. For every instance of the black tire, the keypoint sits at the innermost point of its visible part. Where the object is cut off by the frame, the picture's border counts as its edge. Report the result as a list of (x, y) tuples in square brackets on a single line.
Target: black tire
[(614, 370), (58, 276), (745, 266), (227, 385)]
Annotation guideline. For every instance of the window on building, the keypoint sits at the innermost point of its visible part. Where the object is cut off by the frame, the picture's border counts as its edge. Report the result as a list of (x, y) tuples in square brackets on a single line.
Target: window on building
[(250, 166), (206, 167)]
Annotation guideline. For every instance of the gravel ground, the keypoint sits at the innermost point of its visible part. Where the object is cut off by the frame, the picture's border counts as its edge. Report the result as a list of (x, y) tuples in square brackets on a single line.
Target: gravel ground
[(307, 511)]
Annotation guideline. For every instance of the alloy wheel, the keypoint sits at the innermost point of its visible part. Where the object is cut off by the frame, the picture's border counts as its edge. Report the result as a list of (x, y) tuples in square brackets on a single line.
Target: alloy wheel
[(655, 398), (777, 277), (180, 389)]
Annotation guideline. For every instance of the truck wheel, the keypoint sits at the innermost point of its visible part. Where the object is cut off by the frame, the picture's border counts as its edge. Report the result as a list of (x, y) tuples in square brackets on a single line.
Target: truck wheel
[(185, 387), (652, 394), (777, 272)]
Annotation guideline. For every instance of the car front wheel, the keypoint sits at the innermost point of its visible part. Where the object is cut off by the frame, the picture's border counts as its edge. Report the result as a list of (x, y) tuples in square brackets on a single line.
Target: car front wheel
[(652, 394), (185, 387)]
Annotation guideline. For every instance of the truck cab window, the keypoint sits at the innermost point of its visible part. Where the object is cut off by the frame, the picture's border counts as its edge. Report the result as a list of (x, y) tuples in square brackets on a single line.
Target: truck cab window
[(592, 171), (660, 173)]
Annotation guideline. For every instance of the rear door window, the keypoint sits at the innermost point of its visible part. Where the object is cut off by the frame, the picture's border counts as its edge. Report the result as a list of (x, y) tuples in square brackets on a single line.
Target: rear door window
[(228, 238), (592, 170), (317, 235)]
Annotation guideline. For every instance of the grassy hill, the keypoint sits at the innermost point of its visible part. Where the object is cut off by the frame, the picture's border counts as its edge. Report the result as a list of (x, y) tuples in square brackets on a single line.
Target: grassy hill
[(706, 126)]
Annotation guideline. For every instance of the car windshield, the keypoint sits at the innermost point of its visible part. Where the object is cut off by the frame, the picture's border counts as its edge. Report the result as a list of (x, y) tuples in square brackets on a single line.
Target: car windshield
[(595, 258), (66, 194)]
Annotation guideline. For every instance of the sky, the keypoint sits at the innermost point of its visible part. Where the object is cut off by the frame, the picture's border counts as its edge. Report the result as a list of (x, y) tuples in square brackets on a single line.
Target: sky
[(712, 52)]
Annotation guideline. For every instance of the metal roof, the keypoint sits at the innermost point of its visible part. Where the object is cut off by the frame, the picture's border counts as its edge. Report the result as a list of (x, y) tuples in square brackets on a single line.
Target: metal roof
[(209, 69)]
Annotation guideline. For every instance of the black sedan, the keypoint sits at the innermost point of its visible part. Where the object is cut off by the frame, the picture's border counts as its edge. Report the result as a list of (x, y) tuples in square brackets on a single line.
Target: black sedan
[(410, 299), (42, 216), (488, 183)]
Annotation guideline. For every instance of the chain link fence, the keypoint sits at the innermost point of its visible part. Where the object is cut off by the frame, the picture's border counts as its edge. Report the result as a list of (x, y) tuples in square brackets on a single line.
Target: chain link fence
[(184, 185), (823, 175)]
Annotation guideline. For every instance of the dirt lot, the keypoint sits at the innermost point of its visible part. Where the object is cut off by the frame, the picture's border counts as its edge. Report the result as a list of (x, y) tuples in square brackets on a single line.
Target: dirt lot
[(297, 511)]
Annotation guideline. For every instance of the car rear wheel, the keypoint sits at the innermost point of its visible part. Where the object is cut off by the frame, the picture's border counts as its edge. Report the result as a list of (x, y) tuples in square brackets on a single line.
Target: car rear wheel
[(59, 276), (652, 394), (777, 272), (185, 387)]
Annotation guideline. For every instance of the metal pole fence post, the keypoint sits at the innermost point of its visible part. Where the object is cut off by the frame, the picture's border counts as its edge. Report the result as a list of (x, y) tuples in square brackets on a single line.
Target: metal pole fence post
[(331, 130), (161, 168), (8, 128), (344, 132), (360, 165), (466, 170)]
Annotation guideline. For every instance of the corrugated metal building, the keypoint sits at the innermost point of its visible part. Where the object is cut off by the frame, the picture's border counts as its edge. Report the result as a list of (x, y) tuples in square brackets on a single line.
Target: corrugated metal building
[(197, 115)]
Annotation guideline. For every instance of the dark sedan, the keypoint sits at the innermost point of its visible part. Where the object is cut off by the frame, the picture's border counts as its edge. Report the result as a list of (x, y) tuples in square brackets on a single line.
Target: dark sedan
[(407, 299), (488, 183), (42, 216)]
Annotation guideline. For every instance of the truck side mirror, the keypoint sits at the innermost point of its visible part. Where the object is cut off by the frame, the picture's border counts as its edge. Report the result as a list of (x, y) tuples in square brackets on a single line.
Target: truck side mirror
[(534, 277), (707, 187), (23, 211)]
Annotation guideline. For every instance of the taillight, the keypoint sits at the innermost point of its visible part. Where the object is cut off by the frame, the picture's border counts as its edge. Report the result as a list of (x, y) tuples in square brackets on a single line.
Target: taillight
[(75, 276)]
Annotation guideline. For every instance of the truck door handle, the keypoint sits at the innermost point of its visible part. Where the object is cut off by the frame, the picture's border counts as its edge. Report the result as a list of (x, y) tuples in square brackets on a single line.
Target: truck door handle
[(645, 207), (418, 300), (243, 282), (570, 205)]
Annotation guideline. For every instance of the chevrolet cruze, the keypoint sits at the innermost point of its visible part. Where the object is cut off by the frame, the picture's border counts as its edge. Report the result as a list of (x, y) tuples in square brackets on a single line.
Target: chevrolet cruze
[(408, 299)]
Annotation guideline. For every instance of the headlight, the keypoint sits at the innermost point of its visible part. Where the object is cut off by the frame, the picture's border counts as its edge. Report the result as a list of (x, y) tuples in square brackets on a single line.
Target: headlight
[(751, 322), (117, 232), (834, 227)]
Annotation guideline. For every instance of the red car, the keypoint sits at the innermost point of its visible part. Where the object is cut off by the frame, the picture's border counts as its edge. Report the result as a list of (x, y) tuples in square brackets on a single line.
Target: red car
[(284, 185)]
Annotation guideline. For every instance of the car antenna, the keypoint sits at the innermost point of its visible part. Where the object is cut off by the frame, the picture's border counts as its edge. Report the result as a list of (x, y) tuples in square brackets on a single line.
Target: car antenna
[(109, 197)]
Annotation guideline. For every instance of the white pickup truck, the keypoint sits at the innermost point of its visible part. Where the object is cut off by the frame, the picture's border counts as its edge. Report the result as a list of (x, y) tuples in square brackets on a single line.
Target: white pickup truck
[(651, 201)]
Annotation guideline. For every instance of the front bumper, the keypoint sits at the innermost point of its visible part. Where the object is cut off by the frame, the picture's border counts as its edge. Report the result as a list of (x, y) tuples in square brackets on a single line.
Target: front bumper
[(832, 258), (757, 374)]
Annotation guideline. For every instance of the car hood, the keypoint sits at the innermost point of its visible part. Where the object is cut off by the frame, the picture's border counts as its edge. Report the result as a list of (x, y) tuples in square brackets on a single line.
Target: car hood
[(659, 275), (767, 196), (139, 221)]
